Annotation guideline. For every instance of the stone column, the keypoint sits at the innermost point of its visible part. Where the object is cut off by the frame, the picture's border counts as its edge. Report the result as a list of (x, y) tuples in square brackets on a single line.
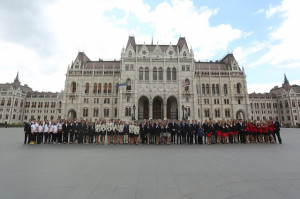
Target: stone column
[(165, 111), (150, 110)]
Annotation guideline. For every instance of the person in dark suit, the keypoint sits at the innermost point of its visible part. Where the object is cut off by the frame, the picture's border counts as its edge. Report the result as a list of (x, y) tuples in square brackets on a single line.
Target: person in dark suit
[(71, 131), (27, 131), (157, 132), (277, 130), (178, 133), (172, 130), (241, 129), (65, 132)]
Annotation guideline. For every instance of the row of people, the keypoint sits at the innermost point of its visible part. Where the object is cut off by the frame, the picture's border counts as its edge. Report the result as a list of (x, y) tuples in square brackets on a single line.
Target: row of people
[(150, 132)]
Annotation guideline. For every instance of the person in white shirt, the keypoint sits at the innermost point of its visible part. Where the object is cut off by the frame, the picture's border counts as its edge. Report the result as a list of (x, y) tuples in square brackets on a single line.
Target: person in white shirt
[(40, 133), (51, 129), (46, 132), (103, 131), (33, 130), (55, 130), (59, 131)]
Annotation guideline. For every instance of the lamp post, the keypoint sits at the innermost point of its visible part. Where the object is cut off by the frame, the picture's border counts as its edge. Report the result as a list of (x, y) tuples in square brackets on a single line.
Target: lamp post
[(134, 112), (182, 112)]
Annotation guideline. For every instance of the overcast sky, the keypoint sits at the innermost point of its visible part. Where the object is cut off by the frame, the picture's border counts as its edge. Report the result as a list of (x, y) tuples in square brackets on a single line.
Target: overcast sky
[(41, 38)]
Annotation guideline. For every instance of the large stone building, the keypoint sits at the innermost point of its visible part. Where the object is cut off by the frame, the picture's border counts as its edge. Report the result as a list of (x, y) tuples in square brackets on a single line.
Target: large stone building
[(149, 81)]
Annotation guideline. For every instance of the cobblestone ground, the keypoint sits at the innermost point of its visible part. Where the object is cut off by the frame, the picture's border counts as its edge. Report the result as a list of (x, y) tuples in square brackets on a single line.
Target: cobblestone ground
[(149, 171)]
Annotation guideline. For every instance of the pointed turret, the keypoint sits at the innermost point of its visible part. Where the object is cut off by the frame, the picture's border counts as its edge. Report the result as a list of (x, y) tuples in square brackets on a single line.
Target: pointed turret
[(17, 77), (286, 85), (285, 81)]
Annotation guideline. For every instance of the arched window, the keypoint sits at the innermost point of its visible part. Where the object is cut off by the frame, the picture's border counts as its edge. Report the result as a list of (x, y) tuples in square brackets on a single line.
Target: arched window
[(128, 111), (160, 74), (141, 73), (147, 74), (130, 53), (95, 88), (128, 82), (99, 88), (87, 88), (105, 88), (207, 89), (238, 88), (59, 104), (187, 85), (203, 89), (21, 104), (213, 89), (154, 73), (106, 112), (184, 54), (109, 88), (9, 102), (225, 89), (73, 87), (96, 111), (217, 89), (2, 102), (174, 73), (16, 102), (168, 74), (286, 104), (85, 112)]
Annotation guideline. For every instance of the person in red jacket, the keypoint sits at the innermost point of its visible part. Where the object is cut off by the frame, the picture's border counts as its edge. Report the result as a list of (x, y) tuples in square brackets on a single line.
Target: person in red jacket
[(271, 130), (260, 132), (266, 132), (251, 132)]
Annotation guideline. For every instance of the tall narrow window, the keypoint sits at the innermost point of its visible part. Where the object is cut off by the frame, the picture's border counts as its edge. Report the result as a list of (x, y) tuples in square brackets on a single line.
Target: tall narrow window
[(130, 53), (154, 73), (160, 74), (184, 54), (117, 88), (225, 89), (105, 88), (217, 89), (128, 87), (95, 88), (187, 85), (168, 74), (109, 88), (207, 89), (141, 73), (85, 112), (213, 89), (238, 88), (174, 73), (87, 88), (73, 87), (96, 111), (203, 89), (99, 88), (147, 74)]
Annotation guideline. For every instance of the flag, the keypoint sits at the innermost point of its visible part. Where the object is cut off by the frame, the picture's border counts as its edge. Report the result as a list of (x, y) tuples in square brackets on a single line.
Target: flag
[(124, 84), (186, 85)]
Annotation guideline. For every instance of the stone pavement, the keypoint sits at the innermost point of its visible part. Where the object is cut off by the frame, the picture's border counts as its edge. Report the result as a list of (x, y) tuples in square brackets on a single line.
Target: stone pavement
[(149, 171)]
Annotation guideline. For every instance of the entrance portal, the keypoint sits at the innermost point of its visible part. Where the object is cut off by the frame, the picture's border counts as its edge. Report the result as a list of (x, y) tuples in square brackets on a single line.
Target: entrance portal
[(157, 108)]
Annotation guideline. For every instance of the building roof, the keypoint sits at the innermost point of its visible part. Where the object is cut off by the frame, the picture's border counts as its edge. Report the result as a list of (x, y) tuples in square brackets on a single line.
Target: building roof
[(103, 65), (210, 66), (262, 95)]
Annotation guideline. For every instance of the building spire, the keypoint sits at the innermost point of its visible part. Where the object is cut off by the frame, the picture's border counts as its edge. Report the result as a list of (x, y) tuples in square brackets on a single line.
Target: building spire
[(285, 81), (17, 77)]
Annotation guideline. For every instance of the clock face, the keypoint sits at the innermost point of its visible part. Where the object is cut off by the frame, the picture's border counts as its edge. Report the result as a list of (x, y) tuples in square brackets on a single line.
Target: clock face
[(170, 52), (144, 52)]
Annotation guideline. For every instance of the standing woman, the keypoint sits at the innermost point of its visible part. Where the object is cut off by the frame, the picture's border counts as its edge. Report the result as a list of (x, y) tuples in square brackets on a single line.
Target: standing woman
[(271, 131), (148, 129), (230, 131), (55, 130), (97, 130), (103, 131), (126, 132), (200, 133), (65, 132), (218, 131), (115, 132), (109, 131), (266, 132), (235, 132), (131, 132), (59, 131), (136, 133), (209, 132), (260, 132), (46, 132), (40, 132), (121, 132), (157, 132), (51, 129), (71, 132)]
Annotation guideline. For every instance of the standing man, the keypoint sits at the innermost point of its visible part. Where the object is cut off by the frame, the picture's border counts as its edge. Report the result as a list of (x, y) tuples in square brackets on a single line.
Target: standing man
[(27, 131), (277, 130)]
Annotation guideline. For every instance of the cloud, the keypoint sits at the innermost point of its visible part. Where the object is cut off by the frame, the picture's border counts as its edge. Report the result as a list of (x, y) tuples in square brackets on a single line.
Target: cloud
[(262, 88), (42, 37), (259, 11), (284, 40)]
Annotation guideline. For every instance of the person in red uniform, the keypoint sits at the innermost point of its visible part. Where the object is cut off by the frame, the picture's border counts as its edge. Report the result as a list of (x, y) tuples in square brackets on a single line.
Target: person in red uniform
[(266, 132), (251, 133), (271, 131), (247, 131), (230, 132), (260, 132), (218, 127)]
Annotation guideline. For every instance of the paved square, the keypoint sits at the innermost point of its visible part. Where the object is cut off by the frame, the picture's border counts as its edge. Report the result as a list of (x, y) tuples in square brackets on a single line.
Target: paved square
[(149, 171)]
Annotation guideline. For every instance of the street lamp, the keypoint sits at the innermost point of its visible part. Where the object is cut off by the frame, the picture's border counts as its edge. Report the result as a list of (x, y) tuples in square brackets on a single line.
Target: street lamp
[(182, 112), (134, 112)]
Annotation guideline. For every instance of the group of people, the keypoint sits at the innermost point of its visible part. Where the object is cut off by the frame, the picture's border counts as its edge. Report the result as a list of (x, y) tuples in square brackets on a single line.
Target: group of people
[(151, 132)]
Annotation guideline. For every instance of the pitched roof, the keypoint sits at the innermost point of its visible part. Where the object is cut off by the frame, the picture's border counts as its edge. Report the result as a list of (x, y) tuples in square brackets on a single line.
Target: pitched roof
[(209, 66), (262, 95), (103, 65)]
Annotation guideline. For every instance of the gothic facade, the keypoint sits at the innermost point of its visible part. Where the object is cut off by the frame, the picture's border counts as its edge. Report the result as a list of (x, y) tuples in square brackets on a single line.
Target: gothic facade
[(151, 82)]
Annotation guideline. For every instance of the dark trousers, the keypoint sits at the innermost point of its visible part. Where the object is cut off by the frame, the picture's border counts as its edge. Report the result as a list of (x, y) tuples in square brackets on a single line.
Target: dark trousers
[(277, 133), (200, 139), (196, 138), (151, 138), (183, 138), (242, 137), (80, 138), (204, 138), (54, 136), (91, 139), (143, 137), (65, 137), (230, 138), (50, 137), (190, 138), (173, 137), (39, 138), (59, 137), (46, 137), (71, 137), (32, 137), (179, 141), (27, 138)]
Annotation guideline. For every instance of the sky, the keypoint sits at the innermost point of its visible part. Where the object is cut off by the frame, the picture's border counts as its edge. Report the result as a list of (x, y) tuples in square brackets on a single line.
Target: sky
[(41, 38)]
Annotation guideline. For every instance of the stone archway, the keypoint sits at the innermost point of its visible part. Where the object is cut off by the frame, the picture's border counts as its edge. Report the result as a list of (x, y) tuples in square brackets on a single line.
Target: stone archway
[(172, 108), (143, 108), (240, 115), (72, 114), (157, 108)]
